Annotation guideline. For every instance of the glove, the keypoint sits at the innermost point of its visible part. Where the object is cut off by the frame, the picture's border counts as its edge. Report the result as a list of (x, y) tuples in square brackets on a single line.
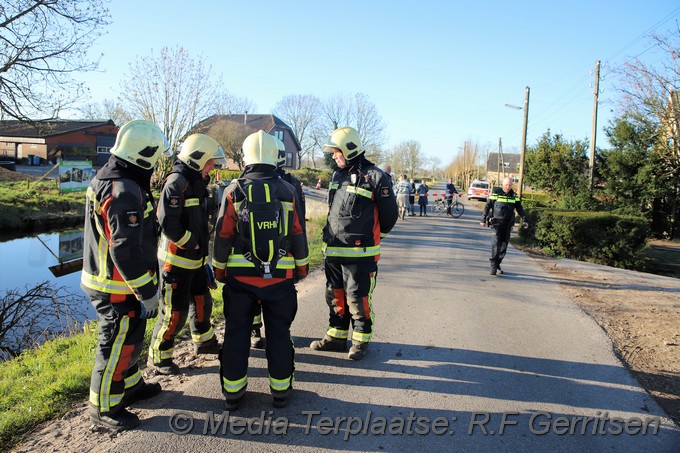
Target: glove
[(221, 275), (149, 307), (212, 284), (301, 272)]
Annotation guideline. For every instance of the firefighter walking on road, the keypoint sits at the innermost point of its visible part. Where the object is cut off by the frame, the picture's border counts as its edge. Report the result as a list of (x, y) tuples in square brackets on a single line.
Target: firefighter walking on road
[(260, 250), (500, 213), (119, 271), (186, 276), (362, 211)]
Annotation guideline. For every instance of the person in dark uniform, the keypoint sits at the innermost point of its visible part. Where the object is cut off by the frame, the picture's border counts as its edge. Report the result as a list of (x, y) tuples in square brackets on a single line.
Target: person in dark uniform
[(500, 211)]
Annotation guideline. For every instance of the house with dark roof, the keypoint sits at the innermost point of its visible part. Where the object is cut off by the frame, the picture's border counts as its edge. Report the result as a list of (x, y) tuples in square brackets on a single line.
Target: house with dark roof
[(500, 165), (68, 139), (250, 123)]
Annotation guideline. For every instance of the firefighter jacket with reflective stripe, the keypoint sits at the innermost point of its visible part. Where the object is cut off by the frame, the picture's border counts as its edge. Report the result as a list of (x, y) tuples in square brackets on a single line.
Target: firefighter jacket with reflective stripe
[(119, 250), (183, 216), (229, 252), (501, 207), (362, 210)]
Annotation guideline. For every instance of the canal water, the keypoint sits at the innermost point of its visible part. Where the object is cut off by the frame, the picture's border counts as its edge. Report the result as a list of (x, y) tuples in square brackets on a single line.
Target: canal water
[(54, 257)]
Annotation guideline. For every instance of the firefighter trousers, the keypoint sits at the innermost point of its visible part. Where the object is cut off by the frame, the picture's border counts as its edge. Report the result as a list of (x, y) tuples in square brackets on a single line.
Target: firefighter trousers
[(349, 290), (184, 294), (499, 242), (120, 341), (279, 306)]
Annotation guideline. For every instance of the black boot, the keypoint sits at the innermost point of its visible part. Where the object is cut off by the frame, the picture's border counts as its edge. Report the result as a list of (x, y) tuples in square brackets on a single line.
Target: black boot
[(211, 346), (121, 420), (328, 343), (140, 392), (358, 350)]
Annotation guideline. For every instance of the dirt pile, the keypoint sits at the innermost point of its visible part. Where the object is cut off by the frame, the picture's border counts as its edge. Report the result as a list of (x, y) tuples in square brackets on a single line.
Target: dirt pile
[(7, 175)]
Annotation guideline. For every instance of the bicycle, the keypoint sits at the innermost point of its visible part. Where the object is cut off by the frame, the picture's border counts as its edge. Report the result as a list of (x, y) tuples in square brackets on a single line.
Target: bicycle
[(440, 206)]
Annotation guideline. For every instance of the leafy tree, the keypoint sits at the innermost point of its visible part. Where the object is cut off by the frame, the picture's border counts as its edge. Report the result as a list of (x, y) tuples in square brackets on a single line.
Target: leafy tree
[(557, 165), (650, 98), (42, 44)]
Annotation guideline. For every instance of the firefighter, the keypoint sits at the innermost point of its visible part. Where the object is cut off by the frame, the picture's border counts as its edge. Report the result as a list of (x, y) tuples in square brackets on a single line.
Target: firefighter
[(500, 212), (119, 270), (256, 340), (362, 210), (252, 278), (186, 276)]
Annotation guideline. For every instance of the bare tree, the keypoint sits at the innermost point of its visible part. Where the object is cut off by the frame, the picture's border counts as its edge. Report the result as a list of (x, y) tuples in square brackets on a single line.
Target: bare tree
[(359, 112), (31, 316), (231, 135), (42, 44), (227, 103), (107, 109), (171, 89), (301, 112)]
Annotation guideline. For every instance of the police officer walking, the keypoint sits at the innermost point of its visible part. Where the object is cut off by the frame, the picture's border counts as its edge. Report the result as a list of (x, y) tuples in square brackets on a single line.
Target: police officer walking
[(500, 211), (183, 253), (362, 210), (119, 270), (260, 250)]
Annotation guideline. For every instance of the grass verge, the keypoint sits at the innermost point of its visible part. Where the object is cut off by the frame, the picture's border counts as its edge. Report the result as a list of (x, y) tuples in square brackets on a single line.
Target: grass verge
[(45, 383)]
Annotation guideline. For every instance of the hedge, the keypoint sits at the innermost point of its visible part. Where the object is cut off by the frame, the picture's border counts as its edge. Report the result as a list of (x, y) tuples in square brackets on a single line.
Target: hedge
[(598, 237)]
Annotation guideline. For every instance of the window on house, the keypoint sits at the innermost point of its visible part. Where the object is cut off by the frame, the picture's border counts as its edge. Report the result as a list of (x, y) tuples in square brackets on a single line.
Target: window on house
[(103, 149), (279, 135), (289, 159)]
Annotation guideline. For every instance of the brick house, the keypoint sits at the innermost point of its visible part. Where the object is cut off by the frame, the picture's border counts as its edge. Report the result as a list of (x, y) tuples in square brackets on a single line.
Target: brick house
[(252, 123), (498, 166), (70, 139)]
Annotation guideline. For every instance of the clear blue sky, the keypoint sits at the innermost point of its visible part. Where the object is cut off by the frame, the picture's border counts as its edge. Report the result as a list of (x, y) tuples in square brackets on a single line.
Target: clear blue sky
[(439, 72)]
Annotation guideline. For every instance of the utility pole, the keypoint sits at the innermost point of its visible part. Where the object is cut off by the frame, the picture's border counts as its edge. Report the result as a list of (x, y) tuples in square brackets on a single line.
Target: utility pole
[(524, 144), (498, 161), (594, 138)]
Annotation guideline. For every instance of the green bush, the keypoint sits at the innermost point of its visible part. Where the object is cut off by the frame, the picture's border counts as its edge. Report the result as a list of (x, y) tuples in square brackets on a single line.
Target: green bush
[(599, 237), (310, 176)]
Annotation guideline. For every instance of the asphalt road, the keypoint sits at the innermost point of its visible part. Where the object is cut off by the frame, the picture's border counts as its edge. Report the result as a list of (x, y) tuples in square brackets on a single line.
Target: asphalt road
[(453, 348)]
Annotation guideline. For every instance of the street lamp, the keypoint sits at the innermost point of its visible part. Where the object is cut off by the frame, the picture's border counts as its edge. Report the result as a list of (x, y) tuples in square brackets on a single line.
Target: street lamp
[(524, 139)]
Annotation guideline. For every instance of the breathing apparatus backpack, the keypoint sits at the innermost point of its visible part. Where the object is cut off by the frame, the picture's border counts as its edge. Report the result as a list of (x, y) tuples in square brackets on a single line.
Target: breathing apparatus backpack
[(261, 225)]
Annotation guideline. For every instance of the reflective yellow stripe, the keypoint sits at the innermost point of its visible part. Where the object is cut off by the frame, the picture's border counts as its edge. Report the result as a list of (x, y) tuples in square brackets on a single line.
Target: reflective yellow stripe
[(155, 348), (107, 399), (140, 281), (191, 202), (219, 264), (202, 338), (279, 385), (504, 199), (363, 337), (238, 260), (383, 235), (360, 191), (257, 319), (180, 261), (234, 386), (133, 380), (104, 285), (353, 251), (337, 333), (334, 185), (184, 239), (302, 261), (148, 210)]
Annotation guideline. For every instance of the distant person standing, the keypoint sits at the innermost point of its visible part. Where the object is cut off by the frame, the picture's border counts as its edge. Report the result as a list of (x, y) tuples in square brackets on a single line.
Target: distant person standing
[(450, 193), (501, 206), (412, 198), (402, 190), (423, 189)]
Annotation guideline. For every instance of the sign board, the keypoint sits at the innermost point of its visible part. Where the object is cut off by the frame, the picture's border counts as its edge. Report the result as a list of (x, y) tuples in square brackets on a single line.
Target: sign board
[(75, 176)]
